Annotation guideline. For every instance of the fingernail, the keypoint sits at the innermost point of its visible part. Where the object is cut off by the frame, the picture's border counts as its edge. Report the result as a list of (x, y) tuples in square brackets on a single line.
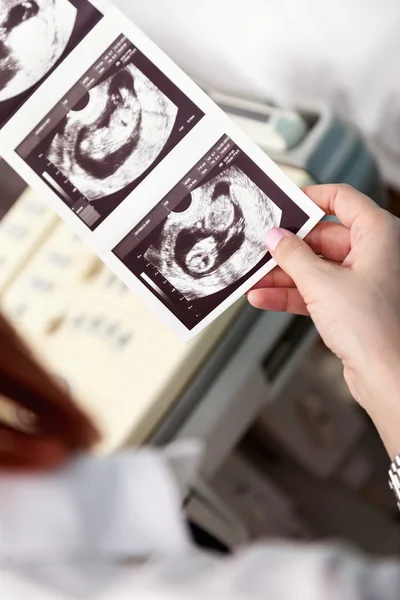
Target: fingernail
[(273, 238)]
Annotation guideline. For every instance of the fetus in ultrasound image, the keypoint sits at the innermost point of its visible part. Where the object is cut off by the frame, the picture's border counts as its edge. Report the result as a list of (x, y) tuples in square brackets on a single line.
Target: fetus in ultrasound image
[(217, 236), (33, 36), (114, 134)]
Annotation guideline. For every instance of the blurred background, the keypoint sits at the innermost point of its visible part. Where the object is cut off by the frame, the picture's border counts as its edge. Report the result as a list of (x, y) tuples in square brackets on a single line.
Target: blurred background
[(288, 452)]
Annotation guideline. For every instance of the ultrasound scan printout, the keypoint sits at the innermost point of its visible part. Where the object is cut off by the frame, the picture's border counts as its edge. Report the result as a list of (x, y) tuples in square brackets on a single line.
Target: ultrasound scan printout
[(207, 236), (138, 160), (34, 36), (109, 131), (218, 238), (111, 141)]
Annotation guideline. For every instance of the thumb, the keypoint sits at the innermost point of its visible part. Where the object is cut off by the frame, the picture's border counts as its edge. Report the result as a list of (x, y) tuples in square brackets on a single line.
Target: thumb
[(294, 256)]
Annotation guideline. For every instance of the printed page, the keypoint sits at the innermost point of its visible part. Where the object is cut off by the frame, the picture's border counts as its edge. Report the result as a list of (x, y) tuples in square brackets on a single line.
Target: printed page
[(138, 160)]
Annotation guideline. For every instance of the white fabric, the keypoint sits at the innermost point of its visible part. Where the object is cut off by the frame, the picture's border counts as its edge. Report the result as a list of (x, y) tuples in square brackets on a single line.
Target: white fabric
[(113, 529), (123, 505), (345, 52)]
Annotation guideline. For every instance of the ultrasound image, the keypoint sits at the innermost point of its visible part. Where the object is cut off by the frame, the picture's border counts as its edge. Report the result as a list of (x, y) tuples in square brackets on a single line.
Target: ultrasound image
[(205, 239), (217, 237), (33, 36), (112, 138), (109, 131)]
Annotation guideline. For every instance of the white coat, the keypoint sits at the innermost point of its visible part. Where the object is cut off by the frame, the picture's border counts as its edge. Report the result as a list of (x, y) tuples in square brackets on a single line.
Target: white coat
[(113, 529)]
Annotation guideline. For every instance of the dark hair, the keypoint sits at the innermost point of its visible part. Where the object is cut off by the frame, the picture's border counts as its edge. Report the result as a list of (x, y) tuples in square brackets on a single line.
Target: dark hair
[(57, 427)]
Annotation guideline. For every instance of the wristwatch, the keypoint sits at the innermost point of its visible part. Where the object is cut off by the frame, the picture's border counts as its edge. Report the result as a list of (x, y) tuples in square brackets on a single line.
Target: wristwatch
[(394, 479)]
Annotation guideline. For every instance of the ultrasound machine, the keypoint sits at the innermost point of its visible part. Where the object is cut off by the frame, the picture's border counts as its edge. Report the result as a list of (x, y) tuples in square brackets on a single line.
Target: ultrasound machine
[(141, 384)]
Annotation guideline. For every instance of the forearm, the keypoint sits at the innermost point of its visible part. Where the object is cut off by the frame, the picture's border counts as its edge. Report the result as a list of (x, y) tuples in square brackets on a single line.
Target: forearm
[(386, 419), (378, 391)]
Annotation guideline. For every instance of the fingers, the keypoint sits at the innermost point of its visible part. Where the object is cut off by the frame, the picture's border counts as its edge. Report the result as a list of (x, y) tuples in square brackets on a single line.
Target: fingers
[(343, 201), (296, 258), (277, 278), (331, 240), (278, 300)]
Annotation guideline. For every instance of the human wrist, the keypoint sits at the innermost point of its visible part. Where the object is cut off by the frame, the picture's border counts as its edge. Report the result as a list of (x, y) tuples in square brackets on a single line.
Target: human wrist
[(377, 390)]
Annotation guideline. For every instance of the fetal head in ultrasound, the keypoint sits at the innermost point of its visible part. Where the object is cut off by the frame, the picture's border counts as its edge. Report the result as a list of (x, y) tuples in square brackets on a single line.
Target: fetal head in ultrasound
[(114, 134), (33, 36), (215, 236)]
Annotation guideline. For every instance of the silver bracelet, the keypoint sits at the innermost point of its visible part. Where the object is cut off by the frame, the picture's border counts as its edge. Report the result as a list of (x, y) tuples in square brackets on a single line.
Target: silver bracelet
[(394, 479)]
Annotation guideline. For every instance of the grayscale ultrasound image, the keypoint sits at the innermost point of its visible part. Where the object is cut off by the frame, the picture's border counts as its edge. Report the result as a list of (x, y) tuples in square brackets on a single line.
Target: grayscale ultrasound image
[(33, 36), (218, 236), (112, 140)]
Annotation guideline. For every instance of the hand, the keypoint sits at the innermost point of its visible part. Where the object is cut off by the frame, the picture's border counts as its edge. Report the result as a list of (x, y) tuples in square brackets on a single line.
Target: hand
[(346, 276)]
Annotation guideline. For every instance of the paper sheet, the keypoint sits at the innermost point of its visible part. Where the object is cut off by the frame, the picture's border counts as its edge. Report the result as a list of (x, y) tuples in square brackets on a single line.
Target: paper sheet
[(138, 160)]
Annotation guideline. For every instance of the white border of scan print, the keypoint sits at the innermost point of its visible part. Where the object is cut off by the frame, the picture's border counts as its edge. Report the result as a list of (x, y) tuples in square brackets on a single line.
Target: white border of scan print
[(62, 80), (215, 123), (222, 127)]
